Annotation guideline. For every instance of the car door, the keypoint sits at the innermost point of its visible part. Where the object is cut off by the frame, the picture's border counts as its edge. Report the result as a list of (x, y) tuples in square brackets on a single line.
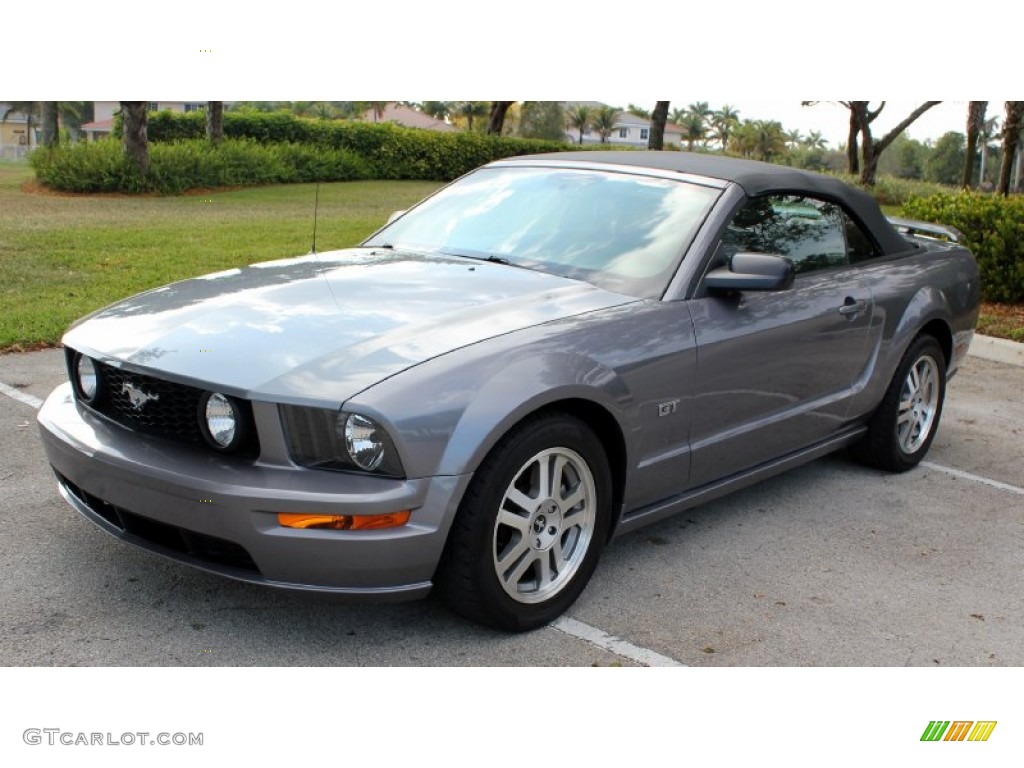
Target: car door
[(776, 369)]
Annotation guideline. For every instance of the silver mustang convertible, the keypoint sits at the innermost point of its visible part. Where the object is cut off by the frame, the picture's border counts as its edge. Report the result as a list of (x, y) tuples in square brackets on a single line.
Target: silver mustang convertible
[(550, 352)]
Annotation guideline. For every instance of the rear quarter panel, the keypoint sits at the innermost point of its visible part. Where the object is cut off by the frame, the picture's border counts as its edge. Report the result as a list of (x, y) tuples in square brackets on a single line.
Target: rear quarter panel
[(936, 286)]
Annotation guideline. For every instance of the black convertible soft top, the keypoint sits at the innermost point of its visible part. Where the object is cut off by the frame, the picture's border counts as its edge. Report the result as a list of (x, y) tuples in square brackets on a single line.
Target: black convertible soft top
[(756, 178)]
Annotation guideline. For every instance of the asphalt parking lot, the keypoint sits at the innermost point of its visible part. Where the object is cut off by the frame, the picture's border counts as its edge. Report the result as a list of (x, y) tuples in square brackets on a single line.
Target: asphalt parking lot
[(831, 564)]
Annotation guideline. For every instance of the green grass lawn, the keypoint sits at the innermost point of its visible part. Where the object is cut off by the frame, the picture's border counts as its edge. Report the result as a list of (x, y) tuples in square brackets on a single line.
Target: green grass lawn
[(63, 256)]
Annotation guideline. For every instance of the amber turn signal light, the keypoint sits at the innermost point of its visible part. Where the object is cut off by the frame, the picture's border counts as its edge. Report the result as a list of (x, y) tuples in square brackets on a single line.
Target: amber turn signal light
[(343, 522)]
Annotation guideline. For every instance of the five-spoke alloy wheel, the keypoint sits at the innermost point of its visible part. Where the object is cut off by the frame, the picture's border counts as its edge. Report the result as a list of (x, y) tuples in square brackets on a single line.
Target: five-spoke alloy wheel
[(531, 526), (902, 428)]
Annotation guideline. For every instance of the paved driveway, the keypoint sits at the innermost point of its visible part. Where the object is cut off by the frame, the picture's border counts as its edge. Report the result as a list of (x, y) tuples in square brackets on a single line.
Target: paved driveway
[(831, 564)]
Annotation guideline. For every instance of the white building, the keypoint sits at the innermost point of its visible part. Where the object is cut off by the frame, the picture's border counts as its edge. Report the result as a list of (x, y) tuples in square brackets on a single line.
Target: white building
[(630, 130)]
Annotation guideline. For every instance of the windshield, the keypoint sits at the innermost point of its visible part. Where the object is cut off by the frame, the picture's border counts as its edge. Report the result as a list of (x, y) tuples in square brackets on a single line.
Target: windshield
[(618, 231)]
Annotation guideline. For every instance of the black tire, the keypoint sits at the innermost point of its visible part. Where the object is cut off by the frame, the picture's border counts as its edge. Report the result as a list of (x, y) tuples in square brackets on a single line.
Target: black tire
[(519, 554), (902, 429)]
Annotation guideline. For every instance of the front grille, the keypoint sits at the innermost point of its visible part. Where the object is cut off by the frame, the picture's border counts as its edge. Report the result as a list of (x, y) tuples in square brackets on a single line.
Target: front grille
[(193, 545), (160, 408), (171, 410)]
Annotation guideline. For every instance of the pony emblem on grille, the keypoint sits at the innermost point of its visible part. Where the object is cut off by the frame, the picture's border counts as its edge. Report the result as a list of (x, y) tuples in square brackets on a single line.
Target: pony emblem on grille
[(136, 396)]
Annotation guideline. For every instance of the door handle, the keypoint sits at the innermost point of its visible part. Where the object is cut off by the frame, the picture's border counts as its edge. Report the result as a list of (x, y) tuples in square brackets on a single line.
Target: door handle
[(852, 307)]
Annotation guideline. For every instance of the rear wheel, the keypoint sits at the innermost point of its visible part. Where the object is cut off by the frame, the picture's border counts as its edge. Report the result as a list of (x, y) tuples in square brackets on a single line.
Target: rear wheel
[(901, 431), (529, 532)]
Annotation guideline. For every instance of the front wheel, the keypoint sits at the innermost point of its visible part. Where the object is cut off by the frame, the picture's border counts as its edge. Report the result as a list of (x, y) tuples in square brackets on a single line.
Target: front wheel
[(529, 531), (901, 431)]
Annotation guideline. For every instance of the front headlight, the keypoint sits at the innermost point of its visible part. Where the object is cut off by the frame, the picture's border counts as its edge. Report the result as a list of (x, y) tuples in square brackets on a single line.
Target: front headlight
[(86, 378), (364, 441), (326, 439)]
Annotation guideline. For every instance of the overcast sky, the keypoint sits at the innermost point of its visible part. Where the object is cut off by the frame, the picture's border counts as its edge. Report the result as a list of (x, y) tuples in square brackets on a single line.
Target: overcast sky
[(830, 118)]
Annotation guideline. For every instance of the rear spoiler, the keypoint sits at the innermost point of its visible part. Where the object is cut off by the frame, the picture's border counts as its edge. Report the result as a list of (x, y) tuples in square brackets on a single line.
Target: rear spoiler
[(926, 229)]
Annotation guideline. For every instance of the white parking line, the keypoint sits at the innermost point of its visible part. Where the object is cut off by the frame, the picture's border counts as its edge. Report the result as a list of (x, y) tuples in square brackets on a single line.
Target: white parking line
[(21, 397), (975, 478), (612, 644)]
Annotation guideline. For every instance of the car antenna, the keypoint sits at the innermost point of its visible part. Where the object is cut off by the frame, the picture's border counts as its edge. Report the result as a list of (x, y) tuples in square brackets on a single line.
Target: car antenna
[(316, 204)]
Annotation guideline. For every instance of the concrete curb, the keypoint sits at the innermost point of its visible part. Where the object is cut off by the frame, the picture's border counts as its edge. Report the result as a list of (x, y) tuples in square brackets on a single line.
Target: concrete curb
[(997, 350)]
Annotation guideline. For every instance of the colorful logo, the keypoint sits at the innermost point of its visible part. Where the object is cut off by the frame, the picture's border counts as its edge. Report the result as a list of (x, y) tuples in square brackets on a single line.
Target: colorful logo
[(958, 730)]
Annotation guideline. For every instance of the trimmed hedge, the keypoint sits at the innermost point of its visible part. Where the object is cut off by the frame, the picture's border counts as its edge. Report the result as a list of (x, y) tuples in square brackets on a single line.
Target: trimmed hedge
[(177, 166), (993, 228), (277, 147), (392, 151)]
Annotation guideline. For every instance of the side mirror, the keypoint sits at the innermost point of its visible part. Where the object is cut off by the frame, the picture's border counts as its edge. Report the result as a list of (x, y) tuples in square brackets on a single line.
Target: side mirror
[(395, 215), (752, 272)]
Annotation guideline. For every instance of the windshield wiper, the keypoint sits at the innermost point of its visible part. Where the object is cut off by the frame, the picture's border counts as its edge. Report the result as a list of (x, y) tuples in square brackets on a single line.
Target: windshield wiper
[(483, 256)]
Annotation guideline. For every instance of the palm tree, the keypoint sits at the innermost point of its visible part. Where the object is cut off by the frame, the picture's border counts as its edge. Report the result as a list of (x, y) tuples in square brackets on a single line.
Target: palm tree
[(578, 117), (633, 109), (975, 122), (471, 110), (30, 109), (701, 109), (1012, 128), (677, 116), (214, 121), (814, 140), (604, 121), (770, 139), (439, 110), (743, 140), (793, 138), (988, 131), (133, 135), (694, 129), (50, 124), (695, 123), (725, 121), (378, 108)]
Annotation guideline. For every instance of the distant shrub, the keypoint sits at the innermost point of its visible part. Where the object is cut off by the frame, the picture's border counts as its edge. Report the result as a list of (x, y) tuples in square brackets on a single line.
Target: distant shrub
[(993, 228), (892, 190)]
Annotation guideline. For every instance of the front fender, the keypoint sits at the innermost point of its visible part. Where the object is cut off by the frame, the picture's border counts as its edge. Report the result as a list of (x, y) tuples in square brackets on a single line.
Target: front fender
[(447, 414), (521, 386)]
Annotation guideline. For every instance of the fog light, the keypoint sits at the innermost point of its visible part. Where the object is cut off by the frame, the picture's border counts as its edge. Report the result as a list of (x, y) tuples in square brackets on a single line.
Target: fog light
[(343, 522)]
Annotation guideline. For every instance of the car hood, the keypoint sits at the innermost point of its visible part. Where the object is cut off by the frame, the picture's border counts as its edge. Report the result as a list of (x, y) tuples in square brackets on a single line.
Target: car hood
[(324, 327)]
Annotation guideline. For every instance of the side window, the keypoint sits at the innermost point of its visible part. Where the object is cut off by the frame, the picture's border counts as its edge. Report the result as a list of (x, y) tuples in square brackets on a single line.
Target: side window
[(809, 232)]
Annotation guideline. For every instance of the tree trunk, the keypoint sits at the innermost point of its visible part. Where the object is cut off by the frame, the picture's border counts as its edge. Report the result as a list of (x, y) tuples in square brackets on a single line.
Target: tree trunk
[(1011, 138), (133, 129), (656, 138), (975, 121), (852, 150), (873, 149), (214, 121), (497, 117), (51, 131)]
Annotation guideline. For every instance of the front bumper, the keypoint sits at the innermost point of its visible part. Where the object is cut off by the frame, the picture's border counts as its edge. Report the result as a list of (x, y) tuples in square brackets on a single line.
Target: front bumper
[(220, 514)]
